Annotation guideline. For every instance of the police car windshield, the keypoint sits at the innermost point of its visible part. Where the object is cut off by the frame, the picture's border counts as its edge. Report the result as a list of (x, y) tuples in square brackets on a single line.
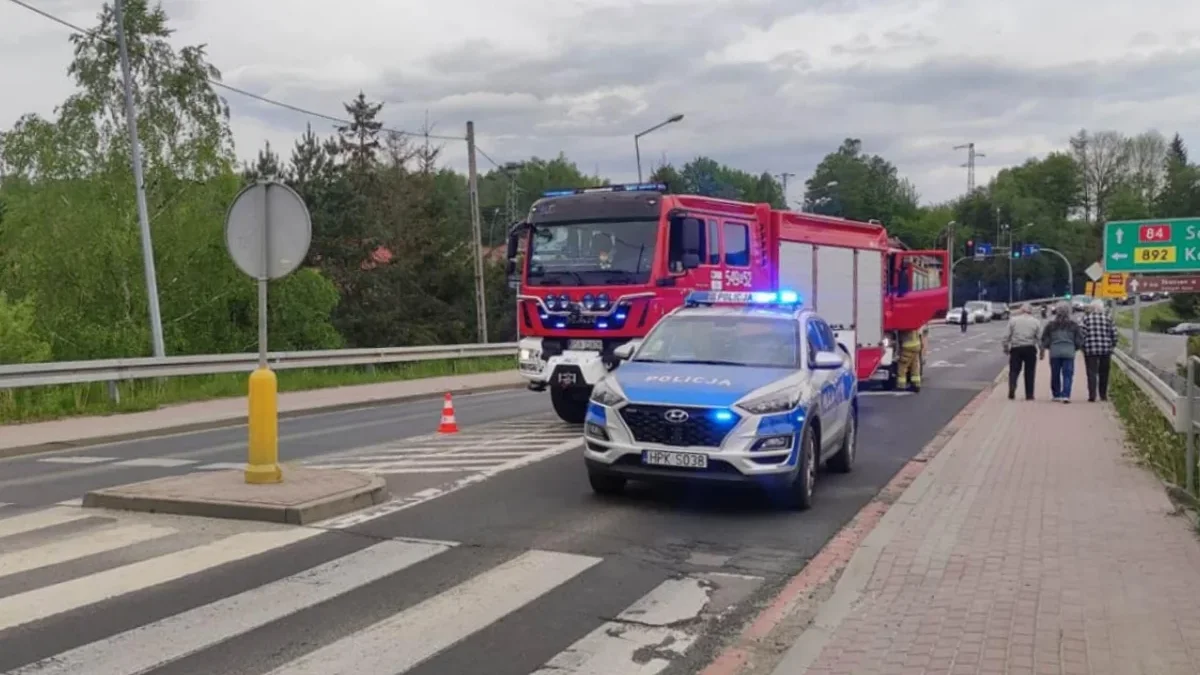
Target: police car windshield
[(726, 340)]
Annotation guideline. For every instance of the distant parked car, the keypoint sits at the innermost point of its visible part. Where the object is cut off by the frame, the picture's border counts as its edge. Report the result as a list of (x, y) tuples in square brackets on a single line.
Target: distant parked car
[(1000, 310), (981, 311), (1184, 329)]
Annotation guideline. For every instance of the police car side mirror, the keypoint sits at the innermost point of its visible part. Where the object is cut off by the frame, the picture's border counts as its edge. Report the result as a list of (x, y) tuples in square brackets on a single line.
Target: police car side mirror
[(625, 351), (827, 361)]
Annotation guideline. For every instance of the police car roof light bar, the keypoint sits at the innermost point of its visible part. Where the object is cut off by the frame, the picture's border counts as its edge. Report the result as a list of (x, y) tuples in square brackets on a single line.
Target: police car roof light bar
[(783, 298), (626, 187)]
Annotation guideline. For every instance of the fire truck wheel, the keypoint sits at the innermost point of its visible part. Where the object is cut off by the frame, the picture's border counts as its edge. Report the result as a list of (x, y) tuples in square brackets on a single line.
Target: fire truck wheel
[(570, 405), (893, 374)]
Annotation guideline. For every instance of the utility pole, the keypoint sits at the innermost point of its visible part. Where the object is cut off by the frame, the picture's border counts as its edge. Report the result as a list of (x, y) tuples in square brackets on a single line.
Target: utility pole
[(476, 235), (950, 258), (135, 153), (971, 157), (783, 179)]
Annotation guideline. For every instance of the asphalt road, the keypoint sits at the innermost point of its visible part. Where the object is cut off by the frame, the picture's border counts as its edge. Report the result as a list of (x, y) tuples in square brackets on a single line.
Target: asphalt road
[(495, 557)]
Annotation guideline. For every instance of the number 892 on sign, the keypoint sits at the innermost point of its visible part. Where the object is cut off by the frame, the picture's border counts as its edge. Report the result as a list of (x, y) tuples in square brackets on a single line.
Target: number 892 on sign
[(1154, 254)]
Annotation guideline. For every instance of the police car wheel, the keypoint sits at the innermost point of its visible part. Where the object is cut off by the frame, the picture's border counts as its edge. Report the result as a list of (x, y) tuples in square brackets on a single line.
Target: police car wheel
[(604, 484), (843, 461), (801, 490)]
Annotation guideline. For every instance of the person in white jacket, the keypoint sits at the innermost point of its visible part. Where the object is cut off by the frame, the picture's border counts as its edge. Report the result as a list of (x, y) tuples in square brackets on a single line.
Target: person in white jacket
[(1021, 342)]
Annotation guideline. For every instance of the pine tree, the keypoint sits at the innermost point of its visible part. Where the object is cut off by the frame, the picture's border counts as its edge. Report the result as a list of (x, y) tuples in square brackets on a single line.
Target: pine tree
[(359, 140)]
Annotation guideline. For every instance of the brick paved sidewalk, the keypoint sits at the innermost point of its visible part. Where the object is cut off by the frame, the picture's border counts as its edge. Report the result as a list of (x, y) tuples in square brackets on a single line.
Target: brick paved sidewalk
[(1029, 545)]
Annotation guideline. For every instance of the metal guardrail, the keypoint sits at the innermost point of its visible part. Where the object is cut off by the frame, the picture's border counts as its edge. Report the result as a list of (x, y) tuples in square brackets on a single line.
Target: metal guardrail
[(116, 370), (1179, 408)]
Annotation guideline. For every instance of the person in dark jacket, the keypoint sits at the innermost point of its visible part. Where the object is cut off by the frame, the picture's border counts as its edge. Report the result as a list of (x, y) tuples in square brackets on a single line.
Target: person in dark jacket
[(1099, 341), (963, 318), (1062, 337)]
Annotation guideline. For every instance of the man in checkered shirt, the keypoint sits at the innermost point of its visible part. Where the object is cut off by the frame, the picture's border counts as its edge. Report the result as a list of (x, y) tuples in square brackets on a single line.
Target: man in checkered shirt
[(1099, 341)]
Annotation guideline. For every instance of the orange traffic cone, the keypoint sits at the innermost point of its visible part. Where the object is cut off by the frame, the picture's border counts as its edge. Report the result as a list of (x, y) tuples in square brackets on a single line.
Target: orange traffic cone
[(448, 425)]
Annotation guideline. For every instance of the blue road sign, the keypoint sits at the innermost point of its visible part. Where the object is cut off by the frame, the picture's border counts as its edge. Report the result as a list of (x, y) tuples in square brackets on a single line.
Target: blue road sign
[(982, 250), (1030, 249)]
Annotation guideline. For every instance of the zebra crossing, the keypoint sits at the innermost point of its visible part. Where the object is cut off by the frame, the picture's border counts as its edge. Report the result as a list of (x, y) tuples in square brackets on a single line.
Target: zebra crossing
[(62, 567), (475, 449)]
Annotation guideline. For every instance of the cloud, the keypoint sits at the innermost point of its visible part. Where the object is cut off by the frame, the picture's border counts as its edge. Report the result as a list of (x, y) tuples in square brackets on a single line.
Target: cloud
[(765, 85)]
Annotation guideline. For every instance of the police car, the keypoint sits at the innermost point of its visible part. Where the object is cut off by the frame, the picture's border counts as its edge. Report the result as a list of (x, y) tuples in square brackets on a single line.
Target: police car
[(731, 387)]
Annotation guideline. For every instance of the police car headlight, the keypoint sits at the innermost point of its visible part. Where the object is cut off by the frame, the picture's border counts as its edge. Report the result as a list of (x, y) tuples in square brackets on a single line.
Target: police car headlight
[(606, 394), (777, 402)]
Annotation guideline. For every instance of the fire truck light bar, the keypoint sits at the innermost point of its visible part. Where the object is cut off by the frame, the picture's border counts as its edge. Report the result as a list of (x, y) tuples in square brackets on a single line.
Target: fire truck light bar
[(781, 298), (628, 187)]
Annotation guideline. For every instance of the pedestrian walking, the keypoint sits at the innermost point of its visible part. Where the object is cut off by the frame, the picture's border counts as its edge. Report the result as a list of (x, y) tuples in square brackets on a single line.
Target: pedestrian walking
[(1099, 341), (1021, 342), (962, 319), (1062, 337)]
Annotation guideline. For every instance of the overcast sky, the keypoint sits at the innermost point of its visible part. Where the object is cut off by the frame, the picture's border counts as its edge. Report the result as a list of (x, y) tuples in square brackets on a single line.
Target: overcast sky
[(764, 85)]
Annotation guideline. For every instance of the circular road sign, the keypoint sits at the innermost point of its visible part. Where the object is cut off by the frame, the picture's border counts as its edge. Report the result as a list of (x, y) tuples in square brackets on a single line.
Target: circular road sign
[(270, 214)]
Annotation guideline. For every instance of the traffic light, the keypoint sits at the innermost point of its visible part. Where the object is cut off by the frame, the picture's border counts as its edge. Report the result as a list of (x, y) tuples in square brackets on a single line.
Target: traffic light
[(970, 248), (1016, 250)]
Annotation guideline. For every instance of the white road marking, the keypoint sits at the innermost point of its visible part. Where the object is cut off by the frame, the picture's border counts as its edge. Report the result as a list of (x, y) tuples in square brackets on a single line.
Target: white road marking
[(160, 462), (644, 625), (78, 501), (397, 505), (153, 645), (23, 608), (404, 640), (80, 459), (222, 466), (80, 546), (38, 520)]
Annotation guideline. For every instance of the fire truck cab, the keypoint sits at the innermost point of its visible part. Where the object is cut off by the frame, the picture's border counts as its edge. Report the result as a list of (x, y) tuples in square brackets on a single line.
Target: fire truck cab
[(598, 267)]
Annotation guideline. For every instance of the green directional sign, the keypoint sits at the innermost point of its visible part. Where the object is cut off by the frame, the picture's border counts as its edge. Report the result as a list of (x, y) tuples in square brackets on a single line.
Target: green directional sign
[(1169, 245)]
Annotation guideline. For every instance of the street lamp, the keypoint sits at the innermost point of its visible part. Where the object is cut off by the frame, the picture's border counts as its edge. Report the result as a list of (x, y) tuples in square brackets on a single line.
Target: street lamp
[(638, 150)]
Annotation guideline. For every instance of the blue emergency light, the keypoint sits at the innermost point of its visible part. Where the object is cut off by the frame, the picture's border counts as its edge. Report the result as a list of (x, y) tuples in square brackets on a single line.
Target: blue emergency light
[(774, 298), (627, 187)]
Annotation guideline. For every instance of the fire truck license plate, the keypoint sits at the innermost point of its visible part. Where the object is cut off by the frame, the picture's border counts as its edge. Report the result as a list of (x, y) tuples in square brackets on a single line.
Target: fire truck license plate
[(585, 345), (687, 460)]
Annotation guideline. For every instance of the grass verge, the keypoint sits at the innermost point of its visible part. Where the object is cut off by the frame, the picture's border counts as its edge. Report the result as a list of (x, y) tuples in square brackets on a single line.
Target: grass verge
[(1150, 318), (45, 403), (1153, 440)]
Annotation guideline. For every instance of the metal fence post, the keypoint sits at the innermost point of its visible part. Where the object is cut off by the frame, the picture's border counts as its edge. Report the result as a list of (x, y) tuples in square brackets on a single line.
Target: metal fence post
[(1190, 456)]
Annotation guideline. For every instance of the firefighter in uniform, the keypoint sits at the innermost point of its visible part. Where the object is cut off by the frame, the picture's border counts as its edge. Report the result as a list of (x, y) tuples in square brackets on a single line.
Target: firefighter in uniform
[(912, 344)]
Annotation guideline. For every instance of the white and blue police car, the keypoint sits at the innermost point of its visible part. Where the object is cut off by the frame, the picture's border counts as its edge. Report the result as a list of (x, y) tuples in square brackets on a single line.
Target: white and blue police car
[(731, 387)]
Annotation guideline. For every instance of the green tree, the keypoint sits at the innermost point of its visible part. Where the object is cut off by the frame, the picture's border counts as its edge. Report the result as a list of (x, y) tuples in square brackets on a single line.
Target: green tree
[(861, 187)]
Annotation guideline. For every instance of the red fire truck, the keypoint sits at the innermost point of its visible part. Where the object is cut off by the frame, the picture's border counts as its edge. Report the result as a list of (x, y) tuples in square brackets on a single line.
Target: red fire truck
[(598, 267)]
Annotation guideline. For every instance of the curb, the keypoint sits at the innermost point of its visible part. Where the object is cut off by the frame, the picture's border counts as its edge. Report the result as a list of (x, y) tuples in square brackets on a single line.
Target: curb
[(240, 420), (857, 545), (319, 507)]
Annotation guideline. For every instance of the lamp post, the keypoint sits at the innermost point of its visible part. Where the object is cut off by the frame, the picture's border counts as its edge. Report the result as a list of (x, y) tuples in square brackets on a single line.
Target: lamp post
[(637, 148), (950, 257)]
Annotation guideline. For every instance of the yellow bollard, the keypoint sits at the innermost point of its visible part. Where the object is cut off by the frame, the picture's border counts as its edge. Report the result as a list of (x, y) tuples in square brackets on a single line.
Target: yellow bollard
[(263, 462)]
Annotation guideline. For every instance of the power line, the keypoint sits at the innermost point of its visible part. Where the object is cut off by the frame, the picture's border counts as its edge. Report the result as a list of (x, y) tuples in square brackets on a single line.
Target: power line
[(216, 83)]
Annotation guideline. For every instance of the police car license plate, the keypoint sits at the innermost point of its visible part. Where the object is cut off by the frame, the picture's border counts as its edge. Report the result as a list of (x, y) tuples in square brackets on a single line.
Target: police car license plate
[(687, 460), (586, 345)]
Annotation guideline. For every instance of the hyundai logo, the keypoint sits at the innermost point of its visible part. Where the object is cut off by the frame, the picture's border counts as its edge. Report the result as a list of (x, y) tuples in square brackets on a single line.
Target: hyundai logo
[(676, 416)]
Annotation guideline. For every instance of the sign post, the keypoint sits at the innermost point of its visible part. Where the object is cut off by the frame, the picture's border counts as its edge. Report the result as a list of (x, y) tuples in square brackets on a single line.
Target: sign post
[(1137, 314), (267, 233)]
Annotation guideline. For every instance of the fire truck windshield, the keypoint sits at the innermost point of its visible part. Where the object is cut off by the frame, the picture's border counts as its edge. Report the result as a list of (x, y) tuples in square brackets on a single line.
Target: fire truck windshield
[(592, 253)]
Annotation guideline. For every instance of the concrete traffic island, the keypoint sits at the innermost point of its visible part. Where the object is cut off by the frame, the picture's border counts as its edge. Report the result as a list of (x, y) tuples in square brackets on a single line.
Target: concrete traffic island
[(303, 496)]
